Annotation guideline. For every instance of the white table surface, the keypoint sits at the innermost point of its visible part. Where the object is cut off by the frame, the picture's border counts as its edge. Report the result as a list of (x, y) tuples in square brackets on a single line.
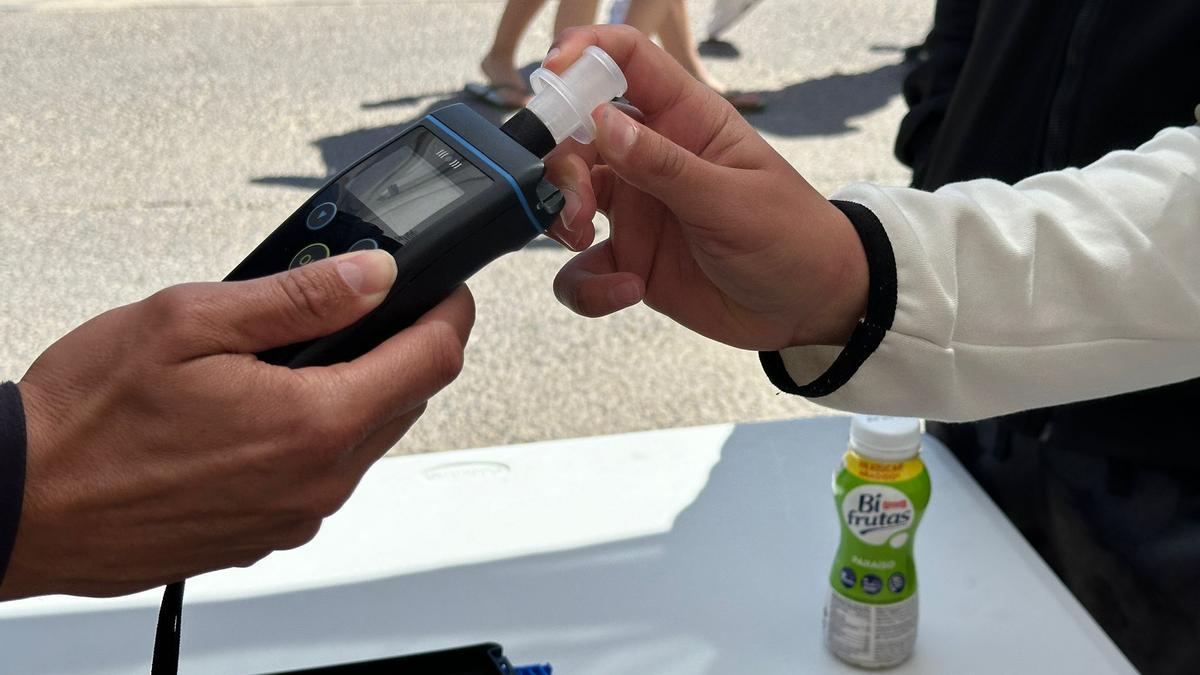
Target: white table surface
[(674, 552)]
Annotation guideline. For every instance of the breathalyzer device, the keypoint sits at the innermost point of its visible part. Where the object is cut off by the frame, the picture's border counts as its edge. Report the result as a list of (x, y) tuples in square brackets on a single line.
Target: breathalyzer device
[(446, 196)]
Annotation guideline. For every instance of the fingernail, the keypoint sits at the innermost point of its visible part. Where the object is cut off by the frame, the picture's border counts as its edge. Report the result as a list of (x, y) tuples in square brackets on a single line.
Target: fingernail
[(368, 272), (618, 128), (570, 209), (625, 293), (557, 236), (550, 56)]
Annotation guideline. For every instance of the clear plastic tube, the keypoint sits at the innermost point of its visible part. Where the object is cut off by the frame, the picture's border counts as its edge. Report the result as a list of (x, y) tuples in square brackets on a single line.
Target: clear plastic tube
[(565, 103)]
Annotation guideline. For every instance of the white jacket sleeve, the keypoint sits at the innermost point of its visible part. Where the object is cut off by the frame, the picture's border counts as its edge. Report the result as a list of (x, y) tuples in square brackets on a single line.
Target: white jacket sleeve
[(1069, 285)]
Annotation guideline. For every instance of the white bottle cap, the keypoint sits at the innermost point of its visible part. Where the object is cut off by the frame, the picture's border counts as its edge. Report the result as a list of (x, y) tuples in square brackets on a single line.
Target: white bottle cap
[(885, 439), (565, 104)]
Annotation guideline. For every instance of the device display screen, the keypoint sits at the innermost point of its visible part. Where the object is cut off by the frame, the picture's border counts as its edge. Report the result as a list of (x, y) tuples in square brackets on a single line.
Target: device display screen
[(411, 181)]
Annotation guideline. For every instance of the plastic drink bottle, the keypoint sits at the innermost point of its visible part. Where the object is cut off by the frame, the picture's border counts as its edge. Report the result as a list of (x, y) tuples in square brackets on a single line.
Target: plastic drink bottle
[(880, 490)]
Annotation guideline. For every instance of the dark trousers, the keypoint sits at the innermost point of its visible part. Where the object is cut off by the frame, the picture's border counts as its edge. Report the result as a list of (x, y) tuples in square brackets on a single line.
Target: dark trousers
[(1108, 492)]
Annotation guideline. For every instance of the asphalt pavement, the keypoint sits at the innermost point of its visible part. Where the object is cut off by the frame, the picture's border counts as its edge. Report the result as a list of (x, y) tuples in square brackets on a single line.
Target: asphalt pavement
[(145, 143)]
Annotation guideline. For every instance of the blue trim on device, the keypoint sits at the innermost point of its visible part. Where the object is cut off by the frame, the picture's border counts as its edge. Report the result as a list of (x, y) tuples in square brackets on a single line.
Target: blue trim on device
[(537, 225)]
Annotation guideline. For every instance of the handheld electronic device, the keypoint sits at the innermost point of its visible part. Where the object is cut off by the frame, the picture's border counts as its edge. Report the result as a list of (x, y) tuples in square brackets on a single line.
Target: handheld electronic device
[(446, 196)]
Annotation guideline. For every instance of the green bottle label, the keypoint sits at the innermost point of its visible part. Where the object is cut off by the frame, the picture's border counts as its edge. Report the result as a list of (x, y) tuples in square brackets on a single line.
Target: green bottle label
[(879, 505)]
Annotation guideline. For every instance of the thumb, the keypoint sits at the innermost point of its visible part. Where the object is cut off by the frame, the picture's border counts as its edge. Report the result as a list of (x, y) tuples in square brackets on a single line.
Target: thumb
[(293, 306), (656, 165)]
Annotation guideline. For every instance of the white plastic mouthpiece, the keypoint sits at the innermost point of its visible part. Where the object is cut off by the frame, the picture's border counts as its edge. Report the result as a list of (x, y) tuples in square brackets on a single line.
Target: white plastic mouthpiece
[(565, 103)]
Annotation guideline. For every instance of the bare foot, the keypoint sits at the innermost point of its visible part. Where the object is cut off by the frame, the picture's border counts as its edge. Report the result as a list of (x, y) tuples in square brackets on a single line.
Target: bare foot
[(509, 88), (743, 101)]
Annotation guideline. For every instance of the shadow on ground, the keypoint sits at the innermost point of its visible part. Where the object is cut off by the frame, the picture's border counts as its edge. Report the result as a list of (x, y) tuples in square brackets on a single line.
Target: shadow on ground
[(823, 106), (342, 150)]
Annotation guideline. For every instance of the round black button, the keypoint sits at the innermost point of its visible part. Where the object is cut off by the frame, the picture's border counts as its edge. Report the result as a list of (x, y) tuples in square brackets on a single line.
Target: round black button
[(310, 253), (321, 215), (364, 245)]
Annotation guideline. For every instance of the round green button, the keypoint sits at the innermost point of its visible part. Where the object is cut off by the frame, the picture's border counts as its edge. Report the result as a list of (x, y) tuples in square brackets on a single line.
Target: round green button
[(310, 253)]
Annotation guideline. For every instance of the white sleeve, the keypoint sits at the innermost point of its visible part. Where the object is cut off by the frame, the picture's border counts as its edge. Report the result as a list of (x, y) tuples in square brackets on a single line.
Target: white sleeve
[(1069, 285)]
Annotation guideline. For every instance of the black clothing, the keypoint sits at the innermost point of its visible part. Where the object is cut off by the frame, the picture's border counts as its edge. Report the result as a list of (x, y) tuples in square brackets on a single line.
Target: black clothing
[(1011, 88), (1106, 490), (12, 469)]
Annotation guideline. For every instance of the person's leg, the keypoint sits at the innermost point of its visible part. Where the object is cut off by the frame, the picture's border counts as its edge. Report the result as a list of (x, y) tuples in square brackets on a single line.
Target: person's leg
[(669, 19), (573, 13), (725, 14), (676, 38), (499, 65), (648, 15)]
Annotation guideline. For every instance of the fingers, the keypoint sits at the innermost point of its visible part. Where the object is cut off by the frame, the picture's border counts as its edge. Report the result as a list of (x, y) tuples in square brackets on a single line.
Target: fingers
[(573, 228), (590, 284), (293, 306), (603, 180), (689, 186), (332, 489), (630, 110), (656, 81), (380, 442), (404, 371), (572, 167)]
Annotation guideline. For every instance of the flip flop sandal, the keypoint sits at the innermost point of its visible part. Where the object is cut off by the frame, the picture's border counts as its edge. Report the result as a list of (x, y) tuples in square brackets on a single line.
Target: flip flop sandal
[(744, 101), (498, 94)]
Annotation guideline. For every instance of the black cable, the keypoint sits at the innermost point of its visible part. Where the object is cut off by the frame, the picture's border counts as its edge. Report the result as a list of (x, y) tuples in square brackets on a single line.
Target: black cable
[(166, 636)]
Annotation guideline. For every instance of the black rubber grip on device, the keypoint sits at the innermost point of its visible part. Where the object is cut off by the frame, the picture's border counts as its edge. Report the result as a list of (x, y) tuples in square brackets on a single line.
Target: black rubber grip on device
[(526, 129)]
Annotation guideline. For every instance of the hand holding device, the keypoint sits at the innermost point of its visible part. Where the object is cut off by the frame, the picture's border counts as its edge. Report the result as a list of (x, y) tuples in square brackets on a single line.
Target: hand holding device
[(445, 197), (710, 225), (160, 447)]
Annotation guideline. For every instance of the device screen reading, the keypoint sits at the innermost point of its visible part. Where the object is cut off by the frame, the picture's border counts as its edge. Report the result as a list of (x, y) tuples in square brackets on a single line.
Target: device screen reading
[(412, 181)]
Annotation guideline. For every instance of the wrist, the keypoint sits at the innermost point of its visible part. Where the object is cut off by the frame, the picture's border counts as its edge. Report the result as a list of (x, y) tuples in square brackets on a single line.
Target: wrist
[(878, 309), (842, 283), (31, 572)]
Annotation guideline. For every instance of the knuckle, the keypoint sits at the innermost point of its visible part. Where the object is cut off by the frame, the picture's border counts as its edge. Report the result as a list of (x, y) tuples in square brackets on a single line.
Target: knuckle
[(292, 400), (329, 438), (446, 352), (309, 291), (341, 432), (566, 170), (668, 161), (627, 32), (316, 436), (177, 317), (168, 308)]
